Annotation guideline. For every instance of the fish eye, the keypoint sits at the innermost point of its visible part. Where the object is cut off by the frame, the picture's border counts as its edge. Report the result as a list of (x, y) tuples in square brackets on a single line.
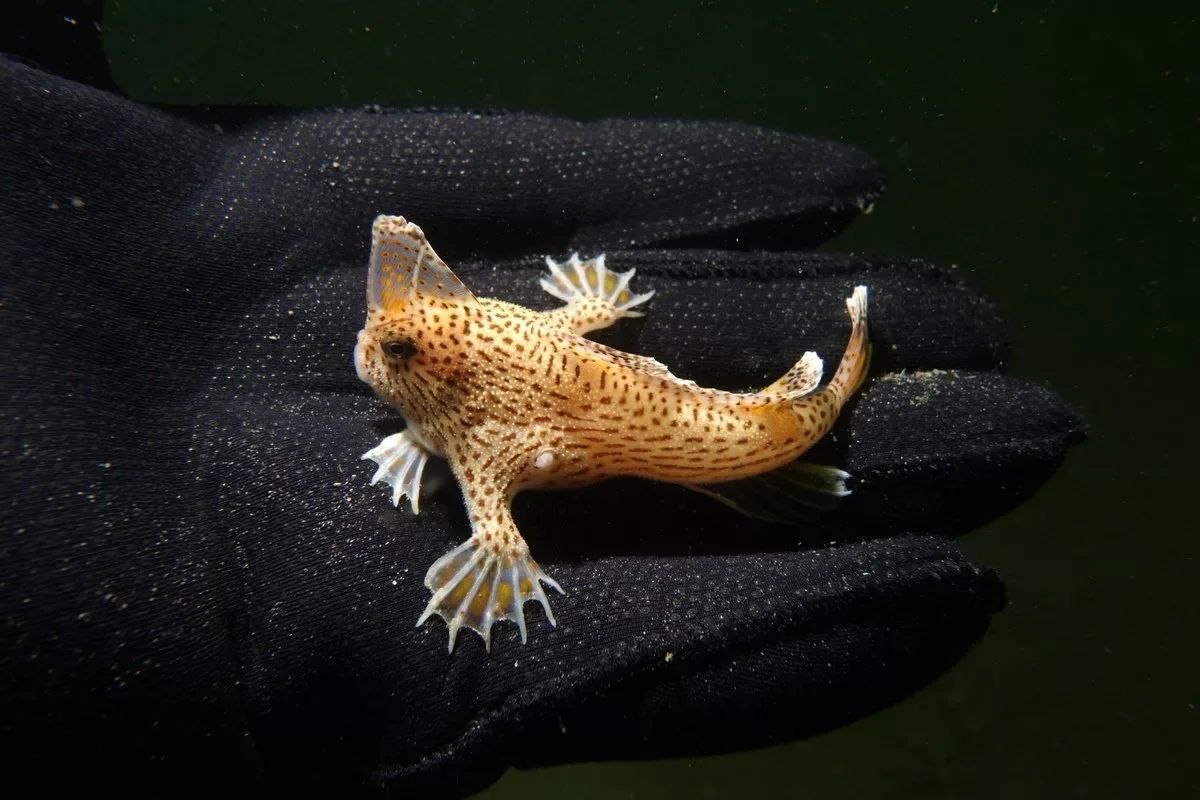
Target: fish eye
[(399, 349)]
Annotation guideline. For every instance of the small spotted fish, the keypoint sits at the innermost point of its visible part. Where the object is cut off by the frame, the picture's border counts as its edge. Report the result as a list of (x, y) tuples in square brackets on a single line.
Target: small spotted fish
[(517, 399)]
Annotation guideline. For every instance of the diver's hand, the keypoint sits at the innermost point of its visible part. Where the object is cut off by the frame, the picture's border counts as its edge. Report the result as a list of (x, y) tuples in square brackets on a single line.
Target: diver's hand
[(202, 587)]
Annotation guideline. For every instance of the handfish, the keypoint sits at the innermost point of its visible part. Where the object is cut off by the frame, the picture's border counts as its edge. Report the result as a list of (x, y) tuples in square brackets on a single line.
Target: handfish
[(519, 399)]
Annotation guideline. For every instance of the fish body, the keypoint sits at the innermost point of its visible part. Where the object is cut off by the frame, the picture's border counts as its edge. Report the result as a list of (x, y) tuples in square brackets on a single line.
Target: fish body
[(516, 399)]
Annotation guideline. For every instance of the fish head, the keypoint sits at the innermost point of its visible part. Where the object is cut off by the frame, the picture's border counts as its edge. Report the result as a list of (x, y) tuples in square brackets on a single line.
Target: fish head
[(407, 351)]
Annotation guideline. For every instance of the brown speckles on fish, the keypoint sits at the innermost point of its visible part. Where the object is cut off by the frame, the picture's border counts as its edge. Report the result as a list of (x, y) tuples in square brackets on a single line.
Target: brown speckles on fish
[(517, 399)]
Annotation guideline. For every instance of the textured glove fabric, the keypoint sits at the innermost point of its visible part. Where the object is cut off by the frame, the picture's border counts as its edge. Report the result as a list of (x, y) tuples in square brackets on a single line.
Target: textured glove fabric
[(200, 588)]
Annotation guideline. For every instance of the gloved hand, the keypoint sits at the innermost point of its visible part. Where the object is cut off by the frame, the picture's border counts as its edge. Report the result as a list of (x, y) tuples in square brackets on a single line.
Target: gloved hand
[(200, 588)]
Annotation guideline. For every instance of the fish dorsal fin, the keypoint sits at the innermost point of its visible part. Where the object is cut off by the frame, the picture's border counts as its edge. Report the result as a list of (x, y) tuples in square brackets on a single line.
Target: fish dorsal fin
[(405, 269), (801, 380), (644, 364)]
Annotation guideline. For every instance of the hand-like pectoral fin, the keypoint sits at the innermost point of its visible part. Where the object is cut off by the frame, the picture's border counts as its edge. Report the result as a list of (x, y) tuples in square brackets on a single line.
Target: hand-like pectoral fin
[(595, 296), (487, 578), (401, 459)]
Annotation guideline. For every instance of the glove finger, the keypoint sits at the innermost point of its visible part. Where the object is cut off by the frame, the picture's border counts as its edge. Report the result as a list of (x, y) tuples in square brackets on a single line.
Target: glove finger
[(786, 672), (507, 183), (498, 183)]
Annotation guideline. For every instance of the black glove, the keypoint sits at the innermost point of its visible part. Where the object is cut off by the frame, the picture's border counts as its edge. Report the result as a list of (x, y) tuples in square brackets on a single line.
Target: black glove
[(200, 588)]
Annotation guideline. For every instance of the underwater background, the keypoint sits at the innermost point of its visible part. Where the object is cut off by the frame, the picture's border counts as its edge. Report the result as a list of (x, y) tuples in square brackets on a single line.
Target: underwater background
[(1046, 151)]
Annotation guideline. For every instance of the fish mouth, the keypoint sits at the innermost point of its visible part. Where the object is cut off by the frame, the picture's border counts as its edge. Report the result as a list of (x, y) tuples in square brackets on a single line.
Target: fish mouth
[(362, 364)]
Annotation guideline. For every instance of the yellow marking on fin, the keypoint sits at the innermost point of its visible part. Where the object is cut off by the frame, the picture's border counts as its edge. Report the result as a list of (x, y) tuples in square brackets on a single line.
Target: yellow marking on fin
[(574, 281), (474, 587), (460, 590), (503, 595)]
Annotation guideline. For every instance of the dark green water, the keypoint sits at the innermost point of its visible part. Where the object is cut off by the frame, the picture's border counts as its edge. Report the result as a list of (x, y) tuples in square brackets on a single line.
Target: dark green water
[(1050, 152)]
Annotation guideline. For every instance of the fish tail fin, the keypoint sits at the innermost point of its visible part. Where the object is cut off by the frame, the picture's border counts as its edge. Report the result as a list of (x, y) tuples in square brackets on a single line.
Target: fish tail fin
[(805, 375), (797, 492), (852, 370)]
